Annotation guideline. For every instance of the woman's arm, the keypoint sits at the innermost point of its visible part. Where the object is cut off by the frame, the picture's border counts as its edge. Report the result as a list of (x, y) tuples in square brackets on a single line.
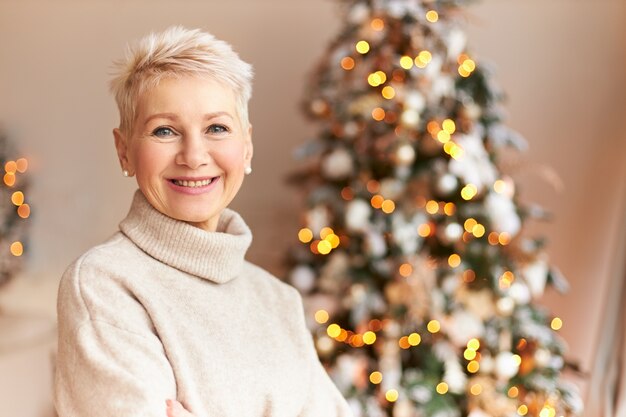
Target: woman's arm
[(110, 360), (105, 371)]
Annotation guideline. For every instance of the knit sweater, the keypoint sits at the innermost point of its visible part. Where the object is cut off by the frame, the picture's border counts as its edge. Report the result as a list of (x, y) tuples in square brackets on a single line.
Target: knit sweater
[(167, 310)]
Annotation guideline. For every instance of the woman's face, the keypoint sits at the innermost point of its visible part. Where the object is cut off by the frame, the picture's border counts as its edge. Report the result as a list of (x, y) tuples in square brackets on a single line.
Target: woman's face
[(188, 149)]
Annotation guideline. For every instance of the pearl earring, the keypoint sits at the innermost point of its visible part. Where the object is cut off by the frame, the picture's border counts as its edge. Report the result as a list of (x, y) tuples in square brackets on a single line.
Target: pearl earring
[(125, 173), (247, 170)]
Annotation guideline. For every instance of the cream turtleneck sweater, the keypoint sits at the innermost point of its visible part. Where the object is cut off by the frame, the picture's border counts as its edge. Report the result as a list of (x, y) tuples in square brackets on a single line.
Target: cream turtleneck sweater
[(166, 310)]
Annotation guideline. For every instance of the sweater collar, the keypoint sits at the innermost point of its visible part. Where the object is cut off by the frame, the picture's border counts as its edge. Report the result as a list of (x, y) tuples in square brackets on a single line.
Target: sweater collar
[(215, 256)]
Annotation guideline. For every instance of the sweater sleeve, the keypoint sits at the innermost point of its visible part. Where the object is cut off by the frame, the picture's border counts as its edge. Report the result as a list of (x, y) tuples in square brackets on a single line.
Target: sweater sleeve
[(110, 363)]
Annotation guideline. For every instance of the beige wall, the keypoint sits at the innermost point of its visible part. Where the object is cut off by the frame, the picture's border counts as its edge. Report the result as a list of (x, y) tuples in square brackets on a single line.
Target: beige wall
[(560, 62)]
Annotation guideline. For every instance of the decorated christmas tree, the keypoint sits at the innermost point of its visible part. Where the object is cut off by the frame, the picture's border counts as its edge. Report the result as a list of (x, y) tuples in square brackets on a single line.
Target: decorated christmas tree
[(13, 210), (420, 280)]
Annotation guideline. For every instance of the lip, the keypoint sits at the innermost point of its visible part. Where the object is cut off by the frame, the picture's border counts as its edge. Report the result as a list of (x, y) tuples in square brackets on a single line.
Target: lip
[(192, 190)]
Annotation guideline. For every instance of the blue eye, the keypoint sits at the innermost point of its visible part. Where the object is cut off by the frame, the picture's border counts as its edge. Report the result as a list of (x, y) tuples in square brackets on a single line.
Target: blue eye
[(215, 128), (163, 132)]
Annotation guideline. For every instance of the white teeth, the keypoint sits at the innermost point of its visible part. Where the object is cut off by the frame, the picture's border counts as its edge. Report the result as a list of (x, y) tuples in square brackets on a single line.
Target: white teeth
[(185, 183)]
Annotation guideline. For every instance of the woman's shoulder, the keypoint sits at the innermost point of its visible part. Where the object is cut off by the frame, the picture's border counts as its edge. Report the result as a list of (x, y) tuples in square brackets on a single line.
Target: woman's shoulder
[(94, 286), (263, 280), (101, 257)]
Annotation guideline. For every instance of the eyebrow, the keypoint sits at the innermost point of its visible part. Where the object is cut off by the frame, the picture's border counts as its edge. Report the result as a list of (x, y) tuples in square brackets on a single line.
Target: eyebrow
[(174, 116)]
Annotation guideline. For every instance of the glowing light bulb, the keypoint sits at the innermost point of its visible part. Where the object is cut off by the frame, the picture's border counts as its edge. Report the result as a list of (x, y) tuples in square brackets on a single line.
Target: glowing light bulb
[(347, 63), (377, 24), (388, 92), (424, 230), (378, 114), (449, 126), (414, 339), (377, 201), (433, 326), (454, 260), (333, 330), (405, 270), (476, 389), (369, 337), (21, 165), (362, 47), (23, 211), (9, 179), (17, 249), (388, 206), (321, 316), (469, 191), (391, 395), (305, 235), (376, 377), (432, 16), (432, 207), (17, 198), (404, 342), (324, 247), (473, 344), (442, 388), (325, 232), (556, 323), (406, 62), (473, 367), (469, 354)]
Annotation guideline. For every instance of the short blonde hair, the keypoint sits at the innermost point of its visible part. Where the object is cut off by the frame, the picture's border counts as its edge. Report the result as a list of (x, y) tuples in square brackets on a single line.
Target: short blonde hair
[(176, 52)]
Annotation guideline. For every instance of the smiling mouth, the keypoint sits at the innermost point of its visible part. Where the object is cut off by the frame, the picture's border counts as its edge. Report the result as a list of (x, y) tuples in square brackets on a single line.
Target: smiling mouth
[(193, 184)]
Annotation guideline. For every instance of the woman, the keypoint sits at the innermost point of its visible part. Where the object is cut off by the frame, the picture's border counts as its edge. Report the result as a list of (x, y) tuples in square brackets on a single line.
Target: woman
[(167, 314)]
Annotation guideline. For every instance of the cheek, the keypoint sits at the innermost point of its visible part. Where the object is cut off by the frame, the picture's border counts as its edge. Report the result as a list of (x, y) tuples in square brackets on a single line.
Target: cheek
[(150, 160), (231, 159)]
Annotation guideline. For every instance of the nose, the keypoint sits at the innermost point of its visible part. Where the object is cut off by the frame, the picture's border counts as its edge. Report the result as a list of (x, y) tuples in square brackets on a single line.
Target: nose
[(193, 152)]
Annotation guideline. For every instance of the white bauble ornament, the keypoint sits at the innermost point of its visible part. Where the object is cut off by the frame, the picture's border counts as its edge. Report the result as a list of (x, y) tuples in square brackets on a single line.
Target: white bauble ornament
[(487, 364), (542, 357), (358, 13), (325, 345), (455, 41), (454, 376), (442, 86), (317, 218), (405, 154), (433, 69), (462, 326), (351, 129), (506, 366), (536, 275), (358, 215), (391, 188), (474, 167), (375, 244), (414, 100), (303, 278), (520, 293), (447, 184), (453, 232), (410, 118), (501, 210), (450, 284), (505, 306), (338, 164)]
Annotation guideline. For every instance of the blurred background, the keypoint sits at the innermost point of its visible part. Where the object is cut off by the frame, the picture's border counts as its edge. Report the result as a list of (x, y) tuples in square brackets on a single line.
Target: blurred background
[(561, 63)]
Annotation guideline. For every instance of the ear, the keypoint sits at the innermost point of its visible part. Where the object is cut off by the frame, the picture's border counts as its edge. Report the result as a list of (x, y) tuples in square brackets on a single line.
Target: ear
[(121, 144), (249, 148)]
